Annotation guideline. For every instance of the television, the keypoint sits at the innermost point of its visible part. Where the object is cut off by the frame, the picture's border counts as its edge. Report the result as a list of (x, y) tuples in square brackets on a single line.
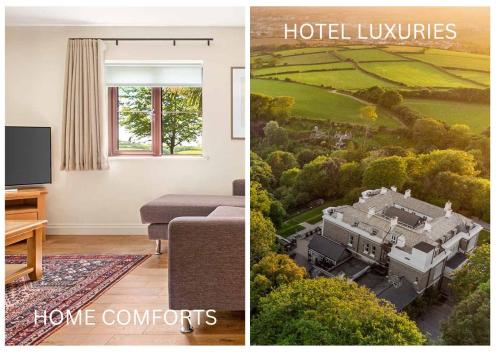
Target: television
[(27, 155)]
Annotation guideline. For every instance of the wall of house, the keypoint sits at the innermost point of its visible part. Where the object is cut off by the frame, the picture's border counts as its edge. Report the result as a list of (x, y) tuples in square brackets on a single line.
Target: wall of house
[(107, 202)]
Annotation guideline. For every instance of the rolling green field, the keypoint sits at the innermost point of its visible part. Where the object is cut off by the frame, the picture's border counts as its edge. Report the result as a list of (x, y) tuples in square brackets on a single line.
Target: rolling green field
[(403, 49), (263, 57), (312, 102), (476, 116), (416, 74), (301, 68), (315, 58), (299, 51), (481, 77), (347, 80), (367, 55), (455, 59)]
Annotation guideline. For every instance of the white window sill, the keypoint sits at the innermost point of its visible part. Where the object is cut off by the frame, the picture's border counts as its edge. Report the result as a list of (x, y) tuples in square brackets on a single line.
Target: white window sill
[(163, 157)]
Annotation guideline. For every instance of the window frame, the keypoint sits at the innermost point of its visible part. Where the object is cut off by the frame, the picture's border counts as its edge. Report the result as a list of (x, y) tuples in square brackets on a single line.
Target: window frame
[(113, 125)]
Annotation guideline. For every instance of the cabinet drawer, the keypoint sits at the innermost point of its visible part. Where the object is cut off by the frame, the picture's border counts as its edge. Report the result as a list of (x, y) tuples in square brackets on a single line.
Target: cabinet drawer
[(33, 215)]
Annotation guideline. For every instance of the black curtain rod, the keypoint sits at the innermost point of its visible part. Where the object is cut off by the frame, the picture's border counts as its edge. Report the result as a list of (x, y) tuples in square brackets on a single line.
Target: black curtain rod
[(174, 40)]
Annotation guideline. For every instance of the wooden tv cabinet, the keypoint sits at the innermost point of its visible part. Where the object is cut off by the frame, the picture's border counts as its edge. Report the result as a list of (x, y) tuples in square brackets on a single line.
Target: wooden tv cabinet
[(26, 204)]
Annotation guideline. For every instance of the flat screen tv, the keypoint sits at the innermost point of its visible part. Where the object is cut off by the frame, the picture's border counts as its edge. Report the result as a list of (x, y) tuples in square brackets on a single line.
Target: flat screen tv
[(27, 156)]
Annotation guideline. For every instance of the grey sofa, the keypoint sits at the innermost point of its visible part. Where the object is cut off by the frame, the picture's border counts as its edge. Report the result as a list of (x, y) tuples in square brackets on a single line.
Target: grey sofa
[(206, 248)]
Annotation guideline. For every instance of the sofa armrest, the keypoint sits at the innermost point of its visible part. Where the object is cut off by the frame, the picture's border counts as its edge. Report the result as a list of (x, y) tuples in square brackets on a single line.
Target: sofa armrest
[(239, 187), (206, 263)]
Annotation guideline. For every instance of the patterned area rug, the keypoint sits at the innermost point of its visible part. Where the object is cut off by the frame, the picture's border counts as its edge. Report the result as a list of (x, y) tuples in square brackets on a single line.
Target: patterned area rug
[(69, 282)]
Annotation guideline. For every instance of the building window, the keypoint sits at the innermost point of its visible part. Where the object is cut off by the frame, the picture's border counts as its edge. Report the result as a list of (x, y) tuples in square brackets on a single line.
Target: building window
[(351, 240), (374, 250), (154, 109), (366, 248), (394, 238)]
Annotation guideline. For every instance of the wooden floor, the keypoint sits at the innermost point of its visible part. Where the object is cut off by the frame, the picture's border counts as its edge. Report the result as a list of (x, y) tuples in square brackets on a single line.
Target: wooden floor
[(144, 288)]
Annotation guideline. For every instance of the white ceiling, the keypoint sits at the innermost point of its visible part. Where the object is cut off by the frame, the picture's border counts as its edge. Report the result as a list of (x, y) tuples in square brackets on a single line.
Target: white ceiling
[(195, 16)]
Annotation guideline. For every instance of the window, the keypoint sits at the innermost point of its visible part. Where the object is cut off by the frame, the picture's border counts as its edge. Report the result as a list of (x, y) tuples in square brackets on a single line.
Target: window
[(394, 238), (374, 250), (154, 108), (366, 248), (351, 240)]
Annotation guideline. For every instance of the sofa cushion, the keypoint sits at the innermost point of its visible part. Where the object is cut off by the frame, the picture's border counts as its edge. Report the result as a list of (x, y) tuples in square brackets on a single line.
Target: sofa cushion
[(158, 231), (227, 212), (165, 208)]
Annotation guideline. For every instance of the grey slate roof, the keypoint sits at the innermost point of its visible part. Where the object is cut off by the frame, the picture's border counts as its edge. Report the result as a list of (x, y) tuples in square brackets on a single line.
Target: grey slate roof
[(403, 216), (424, 247), (455, 261), (328, 248), (400, 296), (440, 224)]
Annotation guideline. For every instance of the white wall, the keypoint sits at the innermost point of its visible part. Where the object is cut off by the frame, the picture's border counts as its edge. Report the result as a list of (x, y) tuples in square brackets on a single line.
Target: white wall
[(108, 202)]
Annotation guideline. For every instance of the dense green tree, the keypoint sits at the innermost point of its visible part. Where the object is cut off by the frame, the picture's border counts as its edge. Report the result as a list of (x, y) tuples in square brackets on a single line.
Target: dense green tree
[(384, 172), (318, 179), (289, 177), (275, 135), (467, 193), (330, 311), (260, 171), (262, 236), (281, 161), (429, 133), (277, 213), (451, 160), (390, 98), (271, 272), (266, 108), (459, 136), (259, 198), (350, 176), (475, 272), (469, 323), (305, 156)]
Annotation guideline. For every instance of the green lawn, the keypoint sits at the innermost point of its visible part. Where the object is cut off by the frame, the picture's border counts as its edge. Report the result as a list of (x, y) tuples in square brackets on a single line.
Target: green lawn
[(301, 68), (416, 74), (481, 77), (311, 216), (477, 116), (315, 58), (368, 55), (456, 59), (346, 80), (312, 102), (299, 51)]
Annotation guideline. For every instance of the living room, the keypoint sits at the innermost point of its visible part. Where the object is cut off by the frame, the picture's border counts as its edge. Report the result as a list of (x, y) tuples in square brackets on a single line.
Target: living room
[(134, 118)]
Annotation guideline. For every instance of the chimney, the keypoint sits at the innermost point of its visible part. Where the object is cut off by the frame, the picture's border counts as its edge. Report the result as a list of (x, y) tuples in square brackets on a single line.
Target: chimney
[(361, 200), (427, 226), (383, 190), (371, 212), (407, 193), (394, 188), (394, 222), (447, 206)]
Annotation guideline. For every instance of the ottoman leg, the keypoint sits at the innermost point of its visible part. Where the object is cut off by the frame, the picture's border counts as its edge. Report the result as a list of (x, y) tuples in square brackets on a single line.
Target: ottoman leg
[(158, 247)]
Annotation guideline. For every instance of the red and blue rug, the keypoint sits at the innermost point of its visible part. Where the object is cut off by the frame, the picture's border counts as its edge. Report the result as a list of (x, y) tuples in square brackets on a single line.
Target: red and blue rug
[(69, 282)]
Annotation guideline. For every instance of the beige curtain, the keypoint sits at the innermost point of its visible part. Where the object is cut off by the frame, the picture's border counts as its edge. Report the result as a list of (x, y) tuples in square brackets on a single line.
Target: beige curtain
[(83, 115)]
